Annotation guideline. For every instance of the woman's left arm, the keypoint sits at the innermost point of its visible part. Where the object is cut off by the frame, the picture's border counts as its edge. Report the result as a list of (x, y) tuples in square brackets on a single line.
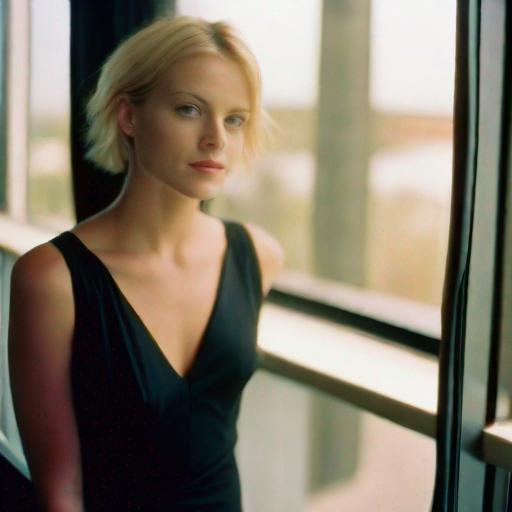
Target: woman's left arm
[(270, 254)]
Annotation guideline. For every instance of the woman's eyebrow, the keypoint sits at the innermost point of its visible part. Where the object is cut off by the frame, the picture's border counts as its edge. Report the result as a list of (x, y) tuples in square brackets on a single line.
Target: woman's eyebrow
[(202, 100)]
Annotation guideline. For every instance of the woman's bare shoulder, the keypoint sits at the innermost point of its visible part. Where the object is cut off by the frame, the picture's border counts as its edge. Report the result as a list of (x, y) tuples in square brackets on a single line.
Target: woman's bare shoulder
[(41, 311), (42, 271), (270, 253)]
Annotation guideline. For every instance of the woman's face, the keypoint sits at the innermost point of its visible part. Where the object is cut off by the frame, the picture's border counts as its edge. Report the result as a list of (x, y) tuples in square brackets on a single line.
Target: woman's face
[(198, 111)]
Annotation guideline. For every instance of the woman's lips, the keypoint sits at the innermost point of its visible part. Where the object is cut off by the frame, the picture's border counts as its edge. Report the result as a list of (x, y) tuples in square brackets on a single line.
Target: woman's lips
[(204, 168)]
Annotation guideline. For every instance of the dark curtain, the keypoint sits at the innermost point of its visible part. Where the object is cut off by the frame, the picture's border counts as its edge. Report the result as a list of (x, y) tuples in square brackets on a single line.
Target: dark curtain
[(97, 27), (451, 356)]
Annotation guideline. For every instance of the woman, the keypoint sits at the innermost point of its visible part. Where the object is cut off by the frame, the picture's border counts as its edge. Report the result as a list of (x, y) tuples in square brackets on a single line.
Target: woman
[(142, 319)]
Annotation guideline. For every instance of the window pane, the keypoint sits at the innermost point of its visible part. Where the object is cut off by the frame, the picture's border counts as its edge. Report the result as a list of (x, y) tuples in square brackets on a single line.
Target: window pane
[(357, 185), (49, 186), (411, 98), (3, 109), (319, 454)]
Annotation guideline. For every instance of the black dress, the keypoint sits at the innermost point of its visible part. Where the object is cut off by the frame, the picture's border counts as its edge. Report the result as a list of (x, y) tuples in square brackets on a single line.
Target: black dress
[(152, 440)]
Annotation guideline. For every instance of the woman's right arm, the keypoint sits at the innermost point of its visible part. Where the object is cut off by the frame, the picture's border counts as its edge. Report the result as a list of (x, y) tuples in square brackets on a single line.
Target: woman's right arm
[(41, 321)]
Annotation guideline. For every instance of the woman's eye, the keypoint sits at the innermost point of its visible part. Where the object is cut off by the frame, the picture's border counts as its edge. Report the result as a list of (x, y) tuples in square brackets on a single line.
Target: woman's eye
[(192, 110), (187, 109), (238, 121)]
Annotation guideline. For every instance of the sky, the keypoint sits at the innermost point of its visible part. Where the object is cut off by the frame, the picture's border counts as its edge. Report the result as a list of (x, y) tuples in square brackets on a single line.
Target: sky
[(412, 50)]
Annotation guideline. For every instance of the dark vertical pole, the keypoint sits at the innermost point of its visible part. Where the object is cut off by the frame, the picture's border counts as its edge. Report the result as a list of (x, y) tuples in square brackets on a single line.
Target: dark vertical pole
[(497, 479), (505, 361), (96, 29), (472, 310), (455, 283)]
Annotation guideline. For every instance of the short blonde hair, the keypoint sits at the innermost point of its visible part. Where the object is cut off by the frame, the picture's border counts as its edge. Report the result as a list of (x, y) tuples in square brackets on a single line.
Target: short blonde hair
[(137, 64)]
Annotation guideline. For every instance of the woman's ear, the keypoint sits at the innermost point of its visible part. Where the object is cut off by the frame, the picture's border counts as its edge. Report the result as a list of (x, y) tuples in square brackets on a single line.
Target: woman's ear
[(125, 116)]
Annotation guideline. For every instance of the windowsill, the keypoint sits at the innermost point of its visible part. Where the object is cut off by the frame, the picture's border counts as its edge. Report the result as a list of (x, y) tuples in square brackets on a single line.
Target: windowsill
[(407, 314), (498, 444), (391, 381)]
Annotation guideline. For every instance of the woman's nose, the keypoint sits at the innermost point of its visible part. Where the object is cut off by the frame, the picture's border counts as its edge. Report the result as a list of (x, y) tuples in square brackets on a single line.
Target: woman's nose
[(214, 135)]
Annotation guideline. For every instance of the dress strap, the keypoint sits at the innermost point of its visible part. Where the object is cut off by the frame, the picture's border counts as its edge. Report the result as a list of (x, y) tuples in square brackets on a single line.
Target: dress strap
[(79, 266), (247, 260)]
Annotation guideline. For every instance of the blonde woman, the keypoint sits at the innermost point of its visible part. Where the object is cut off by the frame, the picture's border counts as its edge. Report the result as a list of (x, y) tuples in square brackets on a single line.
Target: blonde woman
[(132, 335)]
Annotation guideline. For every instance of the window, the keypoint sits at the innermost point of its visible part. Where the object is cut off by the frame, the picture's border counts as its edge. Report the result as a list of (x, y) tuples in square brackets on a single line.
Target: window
[(49, 183), (357, 187), (3, 181)]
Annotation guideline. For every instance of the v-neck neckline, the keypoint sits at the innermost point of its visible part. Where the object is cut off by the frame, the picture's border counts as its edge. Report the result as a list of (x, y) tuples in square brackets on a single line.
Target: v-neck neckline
[(186, 377)]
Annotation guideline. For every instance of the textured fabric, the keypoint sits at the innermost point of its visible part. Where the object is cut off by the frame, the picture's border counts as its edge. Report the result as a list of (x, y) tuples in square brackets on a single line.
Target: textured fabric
[(152, 440)]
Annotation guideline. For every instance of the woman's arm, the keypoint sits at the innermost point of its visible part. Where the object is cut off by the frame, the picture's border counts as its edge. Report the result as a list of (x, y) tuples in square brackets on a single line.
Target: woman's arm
[(271, 255), (41, 321)]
